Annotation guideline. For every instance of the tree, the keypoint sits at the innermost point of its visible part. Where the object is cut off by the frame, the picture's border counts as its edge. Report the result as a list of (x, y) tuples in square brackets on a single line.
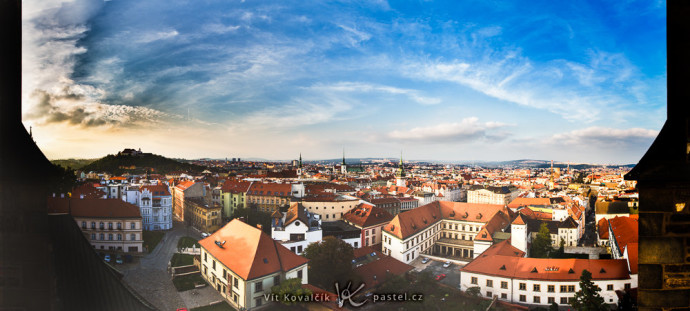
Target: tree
[(290, 288), (64, 179), (541, 245), (473, 291), (626, 302), (553, 307), (588, 298), (330, 261)]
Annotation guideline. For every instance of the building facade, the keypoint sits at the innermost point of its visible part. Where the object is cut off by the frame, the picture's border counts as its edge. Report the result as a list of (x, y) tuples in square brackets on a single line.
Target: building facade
[(296, 229), (108, 224), (242, 263), (370, 219), (182, 191), (202, 214)]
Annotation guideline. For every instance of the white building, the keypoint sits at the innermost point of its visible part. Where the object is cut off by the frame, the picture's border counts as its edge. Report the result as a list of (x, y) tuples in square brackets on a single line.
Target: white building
[(454, 229), (155, 205), (502, 272), (296, 229), (242, 263), (491, 195)]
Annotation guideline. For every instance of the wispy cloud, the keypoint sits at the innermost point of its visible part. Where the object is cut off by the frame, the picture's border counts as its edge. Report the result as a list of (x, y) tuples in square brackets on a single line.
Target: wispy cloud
[(601, 137), (359, 87), (468, 129)]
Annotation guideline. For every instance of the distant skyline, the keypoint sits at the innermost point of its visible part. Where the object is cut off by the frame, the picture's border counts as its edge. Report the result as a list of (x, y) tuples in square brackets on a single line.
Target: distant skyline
[(442, 80)]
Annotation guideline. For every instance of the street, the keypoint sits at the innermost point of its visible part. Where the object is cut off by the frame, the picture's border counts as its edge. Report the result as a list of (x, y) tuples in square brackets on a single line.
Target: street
[(148, 275)]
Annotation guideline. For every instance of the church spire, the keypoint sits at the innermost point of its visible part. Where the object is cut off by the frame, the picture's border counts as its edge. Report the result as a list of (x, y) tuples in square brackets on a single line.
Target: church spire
[(300, 160), (401, 168), (343, 156)]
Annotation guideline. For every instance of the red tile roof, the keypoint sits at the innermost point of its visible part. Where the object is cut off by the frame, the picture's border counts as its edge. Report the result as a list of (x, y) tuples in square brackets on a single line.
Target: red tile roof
[(184, 185), (415, 220), (249, 252), (365, 215), (156, 190), (235, 186), (270, 189), (98, 208), (632, 256), (547, 268), (504, 248), (528, 201), (376, 272), (625, 230), (88, 191)]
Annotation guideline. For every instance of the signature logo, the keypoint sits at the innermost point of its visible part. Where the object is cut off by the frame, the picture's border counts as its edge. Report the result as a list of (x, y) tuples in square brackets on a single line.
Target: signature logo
[(346, 294)]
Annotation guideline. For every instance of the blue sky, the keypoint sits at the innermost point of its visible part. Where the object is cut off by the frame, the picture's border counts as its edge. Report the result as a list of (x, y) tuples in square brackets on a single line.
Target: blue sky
[(441, 80)]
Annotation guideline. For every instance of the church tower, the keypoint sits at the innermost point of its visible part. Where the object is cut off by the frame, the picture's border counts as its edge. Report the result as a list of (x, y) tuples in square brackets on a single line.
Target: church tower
[(518, 234), (343, 167), (400, 179), (299, 167)]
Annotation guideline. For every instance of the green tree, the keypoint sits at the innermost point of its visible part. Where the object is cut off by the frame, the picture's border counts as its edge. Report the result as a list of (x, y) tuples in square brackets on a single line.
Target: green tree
[(290, 287), (254, 217), (473, 291), (64, 179), (541, 245), (553, 307), (588, 298), (330, 261)]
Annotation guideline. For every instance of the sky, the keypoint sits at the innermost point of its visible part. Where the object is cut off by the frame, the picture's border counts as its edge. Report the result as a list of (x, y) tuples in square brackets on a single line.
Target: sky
[(576, 81)]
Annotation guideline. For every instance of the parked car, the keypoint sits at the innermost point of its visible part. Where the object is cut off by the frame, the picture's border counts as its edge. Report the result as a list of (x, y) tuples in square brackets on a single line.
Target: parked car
[(425, 260), (204, 234), (446, 264), (440, 277), (118, 259), (107, 258)]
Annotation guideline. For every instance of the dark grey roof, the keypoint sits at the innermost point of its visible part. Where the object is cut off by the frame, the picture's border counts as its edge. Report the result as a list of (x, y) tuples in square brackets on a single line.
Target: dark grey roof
[(84, 281)]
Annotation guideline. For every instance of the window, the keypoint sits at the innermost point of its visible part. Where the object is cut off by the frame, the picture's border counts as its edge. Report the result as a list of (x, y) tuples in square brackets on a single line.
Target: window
[(83, 224), (523, 286), (564, 288), (235, 282), (119, 237), (571, 288), (551, 288), (564, 300), (551, 300), (257, 301), (101, 237), (133, 225), (110, 226), (489, 294), (205, 256), (276, 280), (627, 286), (299, 274), (504, 296), (132, 237), (504, 284), (101, 225), (213, 265), (119, 225), (523, 298), (234, 297), (474, 280), (259, 286), (93, 236), (225, 274), (110, 236), (537, 299), (536, 288), (609, 287), (93, 225), (489, 283)]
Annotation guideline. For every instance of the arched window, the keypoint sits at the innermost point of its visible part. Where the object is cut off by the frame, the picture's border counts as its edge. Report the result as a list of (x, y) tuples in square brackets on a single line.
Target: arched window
[(101, 225), (110, 236), (119, 237), (101, 237)]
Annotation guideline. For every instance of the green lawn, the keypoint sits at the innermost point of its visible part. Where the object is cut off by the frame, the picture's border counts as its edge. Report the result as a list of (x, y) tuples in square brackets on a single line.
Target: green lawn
[(187, 282), (179, 260), (223, 306), (187, 242), (152, 238)]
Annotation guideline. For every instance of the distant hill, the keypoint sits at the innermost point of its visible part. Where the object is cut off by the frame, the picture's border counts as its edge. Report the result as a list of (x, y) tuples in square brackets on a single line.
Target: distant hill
[(139, 164), (73, 163)]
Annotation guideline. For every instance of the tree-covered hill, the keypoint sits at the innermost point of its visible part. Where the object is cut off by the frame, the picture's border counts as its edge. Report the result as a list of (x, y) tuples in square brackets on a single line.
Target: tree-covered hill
[(139, 164)]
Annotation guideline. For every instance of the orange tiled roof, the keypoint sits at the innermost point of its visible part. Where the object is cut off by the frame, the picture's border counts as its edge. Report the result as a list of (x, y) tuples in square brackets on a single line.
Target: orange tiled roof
[(547, 268), (184, 185), (365, 215), (157, 189), (632, 256), (249, 252), (624, 229), (504, 248), (235, 186), (603, 228), (89, 191), (528, 201), (270, 189)]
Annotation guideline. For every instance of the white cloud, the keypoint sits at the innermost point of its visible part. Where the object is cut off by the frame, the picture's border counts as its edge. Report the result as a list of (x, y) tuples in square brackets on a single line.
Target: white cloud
[(365, 88), (148, 37), (219, 28), (468, 129), (602, 137)]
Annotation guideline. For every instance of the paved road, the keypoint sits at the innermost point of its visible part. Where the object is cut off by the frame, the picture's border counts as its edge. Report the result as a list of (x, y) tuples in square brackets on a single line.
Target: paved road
[(149, 277), (452, 273)]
